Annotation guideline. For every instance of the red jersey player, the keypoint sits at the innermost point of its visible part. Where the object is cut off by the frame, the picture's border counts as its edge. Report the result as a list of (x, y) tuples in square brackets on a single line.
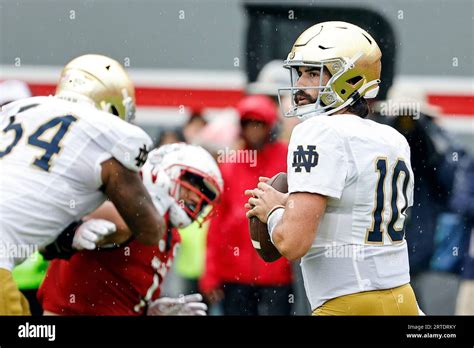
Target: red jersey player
[(125, 280)]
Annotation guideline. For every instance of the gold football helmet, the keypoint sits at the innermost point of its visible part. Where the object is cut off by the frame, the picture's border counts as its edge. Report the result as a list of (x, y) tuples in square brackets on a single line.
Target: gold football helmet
[(350, 55), (100, 80)]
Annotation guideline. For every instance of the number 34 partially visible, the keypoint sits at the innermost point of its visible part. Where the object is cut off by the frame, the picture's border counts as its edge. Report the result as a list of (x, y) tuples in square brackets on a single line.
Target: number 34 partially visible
[(50, 148)]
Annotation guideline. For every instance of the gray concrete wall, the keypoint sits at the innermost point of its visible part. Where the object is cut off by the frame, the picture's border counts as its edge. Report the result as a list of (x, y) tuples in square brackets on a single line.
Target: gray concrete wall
[(150, 33), (432, 34)]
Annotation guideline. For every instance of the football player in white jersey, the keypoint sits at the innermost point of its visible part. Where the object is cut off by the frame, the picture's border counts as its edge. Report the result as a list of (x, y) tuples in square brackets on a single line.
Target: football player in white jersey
[(350, 180), (185, 184), (62, 156)]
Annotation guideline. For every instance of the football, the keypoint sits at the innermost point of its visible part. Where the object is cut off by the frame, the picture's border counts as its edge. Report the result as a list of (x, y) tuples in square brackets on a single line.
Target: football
[(258, 230)]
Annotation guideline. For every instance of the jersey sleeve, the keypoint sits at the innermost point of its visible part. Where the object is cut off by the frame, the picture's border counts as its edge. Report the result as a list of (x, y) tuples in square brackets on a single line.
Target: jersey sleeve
[(317, 162), (127, 143)]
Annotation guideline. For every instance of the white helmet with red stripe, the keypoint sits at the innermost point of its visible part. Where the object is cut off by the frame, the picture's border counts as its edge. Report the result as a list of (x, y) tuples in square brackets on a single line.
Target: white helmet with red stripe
[(174, 166)]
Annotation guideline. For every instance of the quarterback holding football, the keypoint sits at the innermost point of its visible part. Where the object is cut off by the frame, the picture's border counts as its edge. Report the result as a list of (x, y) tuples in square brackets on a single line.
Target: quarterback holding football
[(350, 180)]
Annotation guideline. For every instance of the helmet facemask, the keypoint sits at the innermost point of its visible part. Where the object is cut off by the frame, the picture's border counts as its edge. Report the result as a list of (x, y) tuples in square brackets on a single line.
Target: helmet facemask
[(123, 108), (129, 106), (200, 184)]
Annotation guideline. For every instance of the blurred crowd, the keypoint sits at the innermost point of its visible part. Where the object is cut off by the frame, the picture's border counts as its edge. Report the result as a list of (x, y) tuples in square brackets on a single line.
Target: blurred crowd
[(217, 258)]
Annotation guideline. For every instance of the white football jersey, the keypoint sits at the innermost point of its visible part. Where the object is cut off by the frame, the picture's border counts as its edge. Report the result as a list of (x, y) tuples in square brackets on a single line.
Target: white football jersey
[(364, 169), (51, 152)]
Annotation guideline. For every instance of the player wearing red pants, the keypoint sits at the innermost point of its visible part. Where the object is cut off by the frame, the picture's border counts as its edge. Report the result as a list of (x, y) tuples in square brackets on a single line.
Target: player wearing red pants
[(125, 280)]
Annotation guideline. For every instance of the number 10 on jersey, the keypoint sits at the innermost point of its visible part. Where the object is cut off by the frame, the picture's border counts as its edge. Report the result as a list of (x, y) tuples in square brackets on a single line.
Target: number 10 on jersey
[(396, 233)]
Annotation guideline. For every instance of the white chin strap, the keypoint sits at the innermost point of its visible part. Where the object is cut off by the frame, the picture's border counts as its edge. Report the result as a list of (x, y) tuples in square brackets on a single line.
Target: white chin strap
[(306, 111)]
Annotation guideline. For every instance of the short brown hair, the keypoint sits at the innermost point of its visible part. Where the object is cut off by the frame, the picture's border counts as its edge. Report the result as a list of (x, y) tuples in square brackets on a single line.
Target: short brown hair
[(359, 108)]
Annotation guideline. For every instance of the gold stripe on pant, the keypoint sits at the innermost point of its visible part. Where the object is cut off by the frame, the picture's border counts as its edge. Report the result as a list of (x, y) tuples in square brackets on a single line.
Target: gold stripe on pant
[(12, 301), (396, 301)]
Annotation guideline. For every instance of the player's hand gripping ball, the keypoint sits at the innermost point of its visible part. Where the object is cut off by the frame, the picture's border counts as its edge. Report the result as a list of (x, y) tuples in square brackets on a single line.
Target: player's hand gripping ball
[(258, 229)]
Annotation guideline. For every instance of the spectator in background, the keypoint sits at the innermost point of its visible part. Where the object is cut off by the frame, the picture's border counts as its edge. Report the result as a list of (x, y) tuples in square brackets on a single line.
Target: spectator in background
[(220, 132), (193, 127), (433, 158), (169, 136), (233, 270), (462, 202), (272, 76)]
